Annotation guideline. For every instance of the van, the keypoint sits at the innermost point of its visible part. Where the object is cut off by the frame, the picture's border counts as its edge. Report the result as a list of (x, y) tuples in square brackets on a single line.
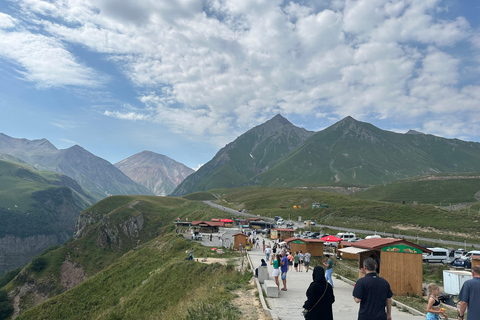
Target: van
[(471, 253), (437, 255), (346, 236)]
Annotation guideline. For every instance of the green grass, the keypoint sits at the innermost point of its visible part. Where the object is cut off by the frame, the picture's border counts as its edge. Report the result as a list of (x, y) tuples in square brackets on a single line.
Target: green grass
[(158, 213), (351, 212), (455, 188), (153, 282), (17, 183)]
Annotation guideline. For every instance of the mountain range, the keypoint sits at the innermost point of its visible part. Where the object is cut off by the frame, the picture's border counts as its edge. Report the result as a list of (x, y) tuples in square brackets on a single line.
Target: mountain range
[(350, 152)]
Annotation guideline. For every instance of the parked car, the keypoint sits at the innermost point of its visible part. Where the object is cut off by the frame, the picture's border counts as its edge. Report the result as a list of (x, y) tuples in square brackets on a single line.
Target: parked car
[(312, 223), (437, 255), (355, 239), (280, 222), (372, 236), (463, 263), (316, 235), (289, 224)]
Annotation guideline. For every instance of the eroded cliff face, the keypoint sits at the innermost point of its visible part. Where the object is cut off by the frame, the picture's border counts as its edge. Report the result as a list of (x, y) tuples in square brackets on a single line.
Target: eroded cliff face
[(110, 233), (16, 251)]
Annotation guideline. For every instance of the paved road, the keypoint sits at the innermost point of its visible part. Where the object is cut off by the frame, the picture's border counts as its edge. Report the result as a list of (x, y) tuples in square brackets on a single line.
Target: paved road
[(441, 242), (289, 304)]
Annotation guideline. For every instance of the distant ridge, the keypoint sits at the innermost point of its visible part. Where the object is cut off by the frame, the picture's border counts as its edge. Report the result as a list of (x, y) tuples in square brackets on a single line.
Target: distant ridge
[(250, 154), (157, 172), (349, 152), (98, 177)]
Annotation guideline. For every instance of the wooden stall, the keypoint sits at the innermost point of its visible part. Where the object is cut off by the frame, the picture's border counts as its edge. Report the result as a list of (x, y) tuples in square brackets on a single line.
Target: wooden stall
[(207, 226), (475, 261), (281, 233), (314, 246), (400, 262), (239, 238)]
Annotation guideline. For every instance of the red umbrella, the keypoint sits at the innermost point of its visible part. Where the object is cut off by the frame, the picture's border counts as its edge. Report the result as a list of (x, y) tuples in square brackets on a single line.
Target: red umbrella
[(226, 220), (331, 239)]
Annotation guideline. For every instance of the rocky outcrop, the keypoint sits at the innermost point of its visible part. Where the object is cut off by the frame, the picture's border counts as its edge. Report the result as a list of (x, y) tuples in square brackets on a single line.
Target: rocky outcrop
[(16, 251), (71, 275)]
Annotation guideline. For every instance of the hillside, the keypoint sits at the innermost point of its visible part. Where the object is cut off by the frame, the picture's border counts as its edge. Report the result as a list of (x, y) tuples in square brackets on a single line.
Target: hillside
[(98, 177), (351, 152), (104, 233), (351, 212), (158, 173), (37, 210), (249, 155), (440, 189)]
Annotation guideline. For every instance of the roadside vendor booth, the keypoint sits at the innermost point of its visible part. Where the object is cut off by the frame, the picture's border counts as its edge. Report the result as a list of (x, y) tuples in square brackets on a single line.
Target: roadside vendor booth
[(207, 226), (314, 246), (399, 262), (239, 238), (228, 223), (281, 233)]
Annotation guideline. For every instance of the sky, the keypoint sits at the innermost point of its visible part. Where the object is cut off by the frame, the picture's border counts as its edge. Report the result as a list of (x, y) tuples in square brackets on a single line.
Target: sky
[(184, 78)]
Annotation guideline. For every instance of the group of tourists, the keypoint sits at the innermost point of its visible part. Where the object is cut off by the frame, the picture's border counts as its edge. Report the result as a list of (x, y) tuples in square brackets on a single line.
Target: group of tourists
[(374, 295)]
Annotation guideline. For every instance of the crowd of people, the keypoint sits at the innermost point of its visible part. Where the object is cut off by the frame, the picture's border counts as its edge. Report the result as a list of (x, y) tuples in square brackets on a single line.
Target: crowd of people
[(371, 292)]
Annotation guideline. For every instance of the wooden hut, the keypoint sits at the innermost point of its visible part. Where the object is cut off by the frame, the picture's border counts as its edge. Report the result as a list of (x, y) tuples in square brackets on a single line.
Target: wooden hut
[(400, 262), (475, 261), (207, 226), (239, 238), (314, 246), (281, 233)]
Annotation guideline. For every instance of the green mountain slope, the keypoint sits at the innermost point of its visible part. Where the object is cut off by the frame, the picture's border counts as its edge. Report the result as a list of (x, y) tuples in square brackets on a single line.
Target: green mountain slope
[(154, 282), (37, 209), (249, 155), (351, 212), (358, 153), (440, 189), (104, 233)]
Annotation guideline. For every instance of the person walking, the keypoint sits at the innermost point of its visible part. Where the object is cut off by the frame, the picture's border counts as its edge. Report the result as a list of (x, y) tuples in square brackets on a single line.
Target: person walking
[(296, 261), (329, 266), (190, 257), (319, 297), (274, 251), (276, 269), (290, 261), (433, 305), (300, 263), (374, 294), (267, 252), (470, 296), (306, 260), (284, 270)]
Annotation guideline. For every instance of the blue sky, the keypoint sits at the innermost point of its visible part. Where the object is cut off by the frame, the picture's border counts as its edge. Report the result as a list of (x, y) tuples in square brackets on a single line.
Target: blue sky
[(183, 78)]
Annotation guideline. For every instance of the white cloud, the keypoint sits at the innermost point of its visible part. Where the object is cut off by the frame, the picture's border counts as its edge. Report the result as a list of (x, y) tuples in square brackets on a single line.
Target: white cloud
[(7, 21), (216, 67), (45, 61)]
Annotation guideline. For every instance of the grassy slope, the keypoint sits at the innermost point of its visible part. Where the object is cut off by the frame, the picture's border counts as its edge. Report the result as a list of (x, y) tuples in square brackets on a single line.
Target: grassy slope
[(18, 182), (439, 192), (352, 212), (151, 283), (158, 212)]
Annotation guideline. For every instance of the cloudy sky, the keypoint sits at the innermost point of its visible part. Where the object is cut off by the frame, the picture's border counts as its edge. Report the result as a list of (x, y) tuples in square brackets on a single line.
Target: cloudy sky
[(183, 78)]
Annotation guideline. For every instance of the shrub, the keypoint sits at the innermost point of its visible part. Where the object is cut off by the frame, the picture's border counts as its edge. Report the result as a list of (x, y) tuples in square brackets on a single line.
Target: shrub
[(7, 277), (6, 308), (38, 264)]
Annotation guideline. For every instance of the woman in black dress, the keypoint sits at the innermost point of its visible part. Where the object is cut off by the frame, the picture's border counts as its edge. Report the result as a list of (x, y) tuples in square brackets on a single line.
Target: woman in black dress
[(319, 297)]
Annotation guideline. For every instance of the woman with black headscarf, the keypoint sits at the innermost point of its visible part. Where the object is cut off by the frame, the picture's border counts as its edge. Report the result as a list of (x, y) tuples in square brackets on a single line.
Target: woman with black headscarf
[(319, 297)]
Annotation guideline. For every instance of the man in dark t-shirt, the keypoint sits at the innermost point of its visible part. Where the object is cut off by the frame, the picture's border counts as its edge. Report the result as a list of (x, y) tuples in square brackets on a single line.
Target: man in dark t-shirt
[(374, 294)]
